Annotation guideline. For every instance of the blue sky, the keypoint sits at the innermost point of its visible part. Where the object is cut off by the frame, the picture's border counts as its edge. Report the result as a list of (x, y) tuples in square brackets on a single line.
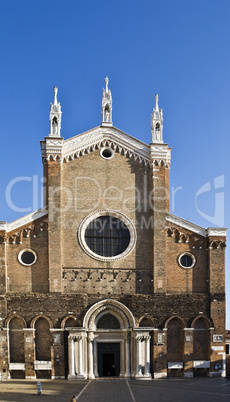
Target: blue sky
[(177, 48)]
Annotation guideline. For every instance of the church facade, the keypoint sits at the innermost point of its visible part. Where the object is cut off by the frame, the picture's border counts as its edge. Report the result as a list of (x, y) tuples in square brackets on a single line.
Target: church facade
[(104, 280)]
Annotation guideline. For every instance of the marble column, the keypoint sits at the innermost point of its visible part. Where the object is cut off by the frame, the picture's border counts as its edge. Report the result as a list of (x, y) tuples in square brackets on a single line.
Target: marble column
[(95, 359), (71, 357), (90, 356), (122, 359), (138, 352), (127, 353), (147, 356), (76, 356)]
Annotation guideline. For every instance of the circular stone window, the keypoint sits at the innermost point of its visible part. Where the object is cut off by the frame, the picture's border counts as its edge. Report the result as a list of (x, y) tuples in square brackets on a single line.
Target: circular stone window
[(106, 153), (187, 260), (27, 257), (107, 235)]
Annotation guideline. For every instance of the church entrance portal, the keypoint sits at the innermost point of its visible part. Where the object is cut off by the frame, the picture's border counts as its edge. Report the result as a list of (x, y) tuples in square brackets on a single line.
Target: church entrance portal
[(108, 359)]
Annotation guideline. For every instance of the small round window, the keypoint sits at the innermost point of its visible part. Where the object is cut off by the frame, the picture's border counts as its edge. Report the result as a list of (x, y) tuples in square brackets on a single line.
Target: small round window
[(27, 257), (187, 260), (106, 153), (107, 235)]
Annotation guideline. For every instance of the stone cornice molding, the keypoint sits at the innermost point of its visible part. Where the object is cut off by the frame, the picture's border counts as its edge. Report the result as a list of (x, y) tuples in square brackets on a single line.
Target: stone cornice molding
[(186, 224), (160, 152), (101, 136), (9, 227), (217, 232), (52, 146), (60, 150), (3, 226)]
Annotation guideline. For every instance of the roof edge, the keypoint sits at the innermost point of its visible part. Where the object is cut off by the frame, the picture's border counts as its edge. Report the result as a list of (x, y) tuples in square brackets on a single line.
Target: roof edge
[(8, 227), (196, 228)]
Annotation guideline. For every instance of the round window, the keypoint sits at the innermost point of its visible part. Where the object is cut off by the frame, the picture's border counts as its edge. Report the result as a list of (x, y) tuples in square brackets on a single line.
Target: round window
[(27, 257), (187, 260), (107, 235), (106, 153)]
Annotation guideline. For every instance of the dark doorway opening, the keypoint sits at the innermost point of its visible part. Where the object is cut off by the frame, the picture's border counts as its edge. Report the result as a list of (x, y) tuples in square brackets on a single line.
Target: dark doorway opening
[(108, 359)]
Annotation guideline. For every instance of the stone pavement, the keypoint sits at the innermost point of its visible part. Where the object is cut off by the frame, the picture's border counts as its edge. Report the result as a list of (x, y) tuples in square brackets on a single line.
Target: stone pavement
[(107, 390)]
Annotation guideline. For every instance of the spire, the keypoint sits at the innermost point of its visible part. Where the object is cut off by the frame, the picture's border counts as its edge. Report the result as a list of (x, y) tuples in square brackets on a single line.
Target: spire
[(157, 123), (106, 105), (55, 116), (156, 101), (55, 95)]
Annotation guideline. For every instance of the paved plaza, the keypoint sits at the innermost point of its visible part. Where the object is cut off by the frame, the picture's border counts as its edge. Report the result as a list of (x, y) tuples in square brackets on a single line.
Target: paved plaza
[(107, 390)]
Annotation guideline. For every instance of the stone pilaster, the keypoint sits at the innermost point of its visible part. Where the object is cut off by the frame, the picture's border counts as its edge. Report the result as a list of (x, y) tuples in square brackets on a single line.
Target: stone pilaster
[(160, 353), (29, 353), (160, 155), (188, 352)]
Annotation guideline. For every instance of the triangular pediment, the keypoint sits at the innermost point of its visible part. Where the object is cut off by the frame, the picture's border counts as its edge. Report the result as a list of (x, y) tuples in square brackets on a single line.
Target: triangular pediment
[(105, 136)]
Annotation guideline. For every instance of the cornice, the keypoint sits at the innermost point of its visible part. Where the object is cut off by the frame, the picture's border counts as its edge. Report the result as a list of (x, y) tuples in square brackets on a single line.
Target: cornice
[(52, 146), (100, 136), (186, 224), (160, 152), (3, 226), (87, 142), (217, 232), (24, 220)]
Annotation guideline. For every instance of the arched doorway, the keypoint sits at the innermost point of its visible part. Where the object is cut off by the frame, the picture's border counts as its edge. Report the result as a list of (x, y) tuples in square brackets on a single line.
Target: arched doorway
[(108, 353), (109, 344)]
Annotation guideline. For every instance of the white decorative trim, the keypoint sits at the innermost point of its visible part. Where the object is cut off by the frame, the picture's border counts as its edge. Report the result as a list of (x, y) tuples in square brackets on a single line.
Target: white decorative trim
[(107, 149), (217, 232), (52, 147), (107, 303), (175, 365), (3, 225), (217, 348), (26, 219), (30, 251), (42, 365), (160, 375), (107, 212), (201, 363), (160, 152), (190, 255), (87, 142), (17, 366), (186, 224)]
